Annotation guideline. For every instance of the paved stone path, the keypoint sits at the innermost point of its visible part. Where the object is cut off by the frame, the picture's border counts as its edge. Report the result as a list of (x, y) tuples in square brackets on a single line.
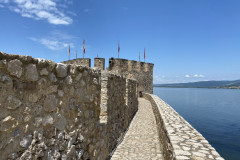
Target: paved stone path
[(187, 142), (141, 140)]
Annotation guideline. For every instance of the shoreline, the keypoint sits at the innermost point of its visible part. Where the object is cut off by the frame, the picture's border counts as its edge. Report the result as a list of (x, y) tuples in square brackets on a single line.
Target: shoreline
[(198, 87)]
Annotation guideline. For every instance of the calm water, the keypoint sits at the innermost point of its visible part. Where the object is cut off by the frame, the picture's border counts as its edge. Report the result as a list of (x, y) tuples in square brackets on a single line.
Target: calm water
[(215, 113)]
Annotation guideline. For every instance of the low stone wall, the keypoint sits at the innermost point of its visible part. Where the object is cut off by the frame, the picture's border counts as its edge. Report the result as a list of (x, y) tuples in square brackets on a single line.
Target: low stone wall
[(178, 138), (131, 100), (52, 110), (119, 103), (79, 61)]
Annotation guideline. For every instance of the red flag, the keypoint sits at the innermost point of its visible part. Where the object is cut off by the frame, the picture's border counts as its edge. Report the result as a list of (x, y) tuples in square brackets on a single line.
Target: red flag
[(69, 51), (83, 46), (144, 54), (118, 47)]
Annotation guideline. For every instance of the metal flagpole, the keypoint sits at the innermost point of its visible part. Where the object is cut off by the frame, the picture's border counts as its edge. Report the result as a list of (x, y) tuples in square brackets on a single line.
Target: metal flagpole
[(83, 48), (118, 48), (144, 55), (139, 56), (69, 53)]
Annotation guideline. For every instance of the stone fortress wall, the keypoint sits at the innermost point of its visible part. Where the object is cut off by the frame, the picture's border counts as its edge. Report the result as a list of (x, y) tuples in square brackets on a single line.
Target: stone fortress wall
[(178, 138), (99, 63), (79, 61), (53, 110), (140, 71), (70, 111)]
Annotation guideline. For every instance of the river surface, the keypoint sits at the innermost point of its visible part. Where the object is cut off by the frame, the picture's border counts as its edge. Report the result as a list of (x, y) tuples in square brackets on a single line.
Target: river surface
[(215, 113)]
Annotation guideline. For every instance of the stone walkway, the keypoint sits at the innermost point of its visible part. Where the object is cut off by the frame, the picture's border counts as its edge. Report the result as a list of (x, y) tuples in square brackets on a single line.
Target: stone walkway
[(141, 140), (187, 142)]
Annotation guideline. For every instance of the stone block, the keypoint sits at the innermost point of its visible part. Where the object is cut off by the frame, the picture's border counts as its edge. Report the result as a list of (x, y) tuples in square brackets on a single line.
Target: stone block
[(61, 70), (44, 72), (50, 103), (26, 141), (15, 68), (31, 72), (3, 63), (13, 102), (8, 123), (33, 98), (52, 77)]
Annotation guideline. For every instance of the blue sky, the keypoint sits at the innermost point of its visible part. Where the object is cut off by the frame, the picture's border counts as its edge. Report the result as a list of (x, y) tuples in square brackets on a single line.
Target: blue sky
[(187, 40)]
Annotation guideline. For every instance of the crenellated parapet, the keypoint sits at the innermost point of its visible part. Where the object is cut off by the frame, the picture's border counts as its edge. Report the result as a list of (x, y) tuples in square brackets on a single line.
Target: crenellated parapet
[(53, 110), (99, 63), (140, 71), (148, 67), (118, 64), (79, 61)]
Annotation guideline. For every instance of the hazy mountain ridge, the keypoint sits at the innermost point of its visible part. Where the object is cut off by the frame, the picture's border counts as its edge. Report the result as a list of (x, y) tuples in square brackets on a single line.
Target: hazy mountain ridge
[(204, 84)]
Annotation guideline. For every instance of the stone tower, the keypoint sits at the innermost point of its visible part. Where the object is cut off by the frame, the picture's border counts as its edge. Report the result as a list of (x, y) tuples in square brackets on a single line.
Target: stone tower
[(99, 63), (140, 71), (79, 61)]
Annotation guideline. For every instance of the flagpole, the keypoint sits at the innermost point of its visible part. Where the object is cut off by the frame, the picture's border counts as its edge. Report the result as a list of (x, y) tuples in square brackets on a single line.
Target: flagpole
[(139, 56), (76, 54), (69, 52), (144, 55), (118, 48), (83, 48)]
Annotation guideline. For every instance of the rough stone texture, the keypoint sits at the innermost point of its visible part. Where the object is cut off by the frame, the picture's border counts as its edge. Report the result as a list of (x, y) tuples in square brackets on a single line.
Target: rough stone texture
[(141, 141), (50, 103), (104, 96), (118, 105), (82, 113), (31, 73), (52, 77), (13, 102), (61, 70), (3, 63), (44, 72), (79, 61), (178, 138), (99, 63), (15, 68), (43, 116), (140, 71)]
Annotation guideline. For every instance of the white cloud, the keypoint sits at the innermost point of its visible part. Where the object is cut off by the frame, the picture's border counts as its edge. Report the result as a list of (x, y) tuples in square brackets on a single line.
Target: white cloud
[(52, 44), (86, 10), (72, 13), (187, 76), (40, 10), (198, 76), (56, 40), (61, 36)]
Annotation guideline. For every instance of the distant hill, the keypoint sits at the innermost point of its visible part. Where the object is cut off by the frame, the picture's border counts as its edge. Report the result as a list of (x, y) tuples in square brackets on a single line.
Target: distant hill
[(203, 84)]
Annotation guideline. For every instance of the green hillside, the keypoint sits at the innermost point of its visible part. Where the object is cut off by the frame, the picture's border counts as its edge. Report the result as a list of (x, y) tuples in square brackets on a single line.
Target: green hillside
[(203, 84)]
